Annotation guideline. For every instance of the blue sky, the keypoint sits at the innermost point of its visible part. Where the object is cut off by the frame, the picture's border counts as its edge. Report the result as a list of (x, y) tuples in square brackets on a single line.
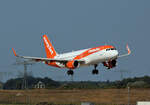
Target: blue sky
[(73, 25)]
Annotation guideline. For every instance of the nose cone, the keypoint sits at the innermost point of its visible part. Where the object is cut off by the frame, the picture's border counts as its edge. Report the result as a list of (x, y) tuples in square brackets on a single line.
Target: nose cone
[(112, 54), (115, 53)]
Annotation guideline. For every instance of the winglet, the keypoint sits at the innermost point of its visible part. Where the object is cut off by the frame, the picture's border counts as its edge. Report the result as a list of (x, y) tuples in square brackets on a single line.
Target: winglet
[(129, 52), (14, 52), (128, 49)]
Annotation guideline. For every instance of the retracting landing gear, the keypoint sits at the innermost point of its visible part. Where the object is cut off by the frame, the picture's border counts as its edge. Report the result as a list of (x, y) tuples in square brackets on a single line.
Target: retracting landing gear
[(70, 72), (95, 71)]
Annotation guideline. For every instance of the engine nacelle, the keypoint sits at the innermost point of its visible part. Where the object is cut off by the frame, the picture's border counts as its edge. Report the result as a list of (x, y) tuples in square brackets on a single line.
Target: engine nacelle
[(110, 64), (113, 63), (72, 64)]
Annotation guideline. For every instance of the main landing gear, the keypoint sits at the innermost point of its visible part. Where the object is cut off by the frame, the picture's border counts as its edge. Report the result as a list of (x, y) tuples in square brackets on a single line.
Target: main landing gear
[(95, 71), (70, 72)]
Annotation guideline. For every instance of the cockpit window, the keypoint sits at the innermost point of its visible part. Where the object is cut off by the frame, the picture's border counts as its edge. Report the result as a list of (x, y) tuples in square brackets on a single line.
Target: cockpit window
[(107, 49), (113, 48), (110, 49)]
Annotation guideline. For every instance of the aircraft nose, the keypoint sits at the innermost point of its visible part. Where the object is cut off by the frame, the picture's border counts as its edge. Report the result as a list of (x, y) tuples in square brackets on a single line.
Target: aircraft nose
[(116, 53)]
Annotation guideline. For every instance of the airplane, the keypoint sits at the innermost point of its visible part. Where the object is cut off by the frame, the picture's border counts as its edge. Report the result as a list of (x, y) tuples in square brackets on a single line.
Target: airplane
[(106, 54)]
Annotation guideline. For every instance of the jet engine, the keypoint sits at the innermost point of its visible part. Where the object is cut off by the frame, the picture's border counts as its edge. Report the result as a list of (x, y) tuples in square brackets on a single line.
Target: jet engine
[(110, 64), (113, 63), (72, 64)]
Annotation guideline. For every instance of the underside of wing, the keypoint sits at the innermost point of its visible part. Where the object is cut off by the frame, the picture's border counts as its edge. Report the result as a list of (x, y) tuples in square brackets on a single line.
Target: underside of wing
[(40, 59)]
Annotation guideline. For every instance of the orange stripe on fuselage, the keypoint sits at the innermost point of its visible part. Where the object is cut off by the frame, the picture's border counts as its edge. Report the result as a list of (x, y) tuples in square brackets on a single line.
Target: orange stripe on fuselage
[(92, 50)]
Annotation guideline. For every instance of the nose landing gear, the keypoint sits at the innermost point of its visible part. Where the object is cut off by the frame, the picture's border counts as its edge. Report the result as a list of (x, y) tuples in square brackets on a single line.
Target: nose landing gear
[(95, 71)]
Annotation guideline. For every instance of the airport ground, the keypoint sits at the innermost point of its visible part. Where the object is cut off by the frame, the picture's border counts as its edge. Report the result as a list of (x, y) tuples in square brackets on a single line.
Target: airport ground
[(74, 97)]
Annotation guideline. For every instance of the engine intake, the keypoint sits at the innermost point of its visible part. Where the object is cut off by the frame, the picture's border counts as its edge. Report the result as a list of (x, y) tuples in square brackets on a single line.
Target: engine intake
[(110, 64), (113, 62), (72, 64)]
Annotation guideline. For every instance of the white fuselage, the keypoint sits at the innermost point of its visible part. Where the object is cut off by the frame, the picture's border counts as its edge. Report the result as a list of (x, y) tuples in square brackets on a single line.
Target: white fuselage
[(91, 59)]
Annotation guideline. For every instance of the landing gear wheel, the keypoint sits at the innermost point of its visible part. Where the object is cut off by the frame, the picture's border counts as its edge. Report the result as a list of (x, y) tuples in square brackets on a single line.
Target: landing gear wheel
[(70, 72), (95, 71)]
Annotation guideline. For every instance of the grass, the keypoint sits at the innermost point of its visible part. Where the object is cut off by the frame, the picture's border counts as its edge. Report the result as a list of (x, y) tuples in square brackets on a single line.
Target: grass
[(63, 97)]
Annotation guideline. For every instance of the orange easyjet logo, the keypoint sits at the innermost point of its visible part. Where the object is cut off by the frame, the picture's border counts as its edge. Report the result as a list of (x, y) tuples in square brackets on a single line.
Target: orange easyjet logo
[(48, 46), (91, 51)]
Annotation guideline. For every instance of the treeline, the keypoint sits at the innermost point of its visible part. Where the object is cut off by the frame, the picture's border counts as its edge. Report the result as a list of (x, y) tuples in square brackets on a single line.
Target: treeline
[(31, 82), (137, 82)]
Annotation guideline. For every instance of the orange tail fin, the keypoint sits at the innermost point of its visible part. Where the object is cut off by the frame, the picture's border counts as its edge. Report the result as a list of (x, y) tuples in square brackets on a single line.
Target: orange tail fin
[(50, 51)]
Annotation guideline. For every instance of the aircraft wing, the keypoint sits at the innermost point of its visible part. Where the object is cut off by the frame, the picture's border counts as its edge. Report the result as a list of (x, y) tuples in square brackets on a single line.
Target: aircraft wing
[(129, 52), (40, 59)]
